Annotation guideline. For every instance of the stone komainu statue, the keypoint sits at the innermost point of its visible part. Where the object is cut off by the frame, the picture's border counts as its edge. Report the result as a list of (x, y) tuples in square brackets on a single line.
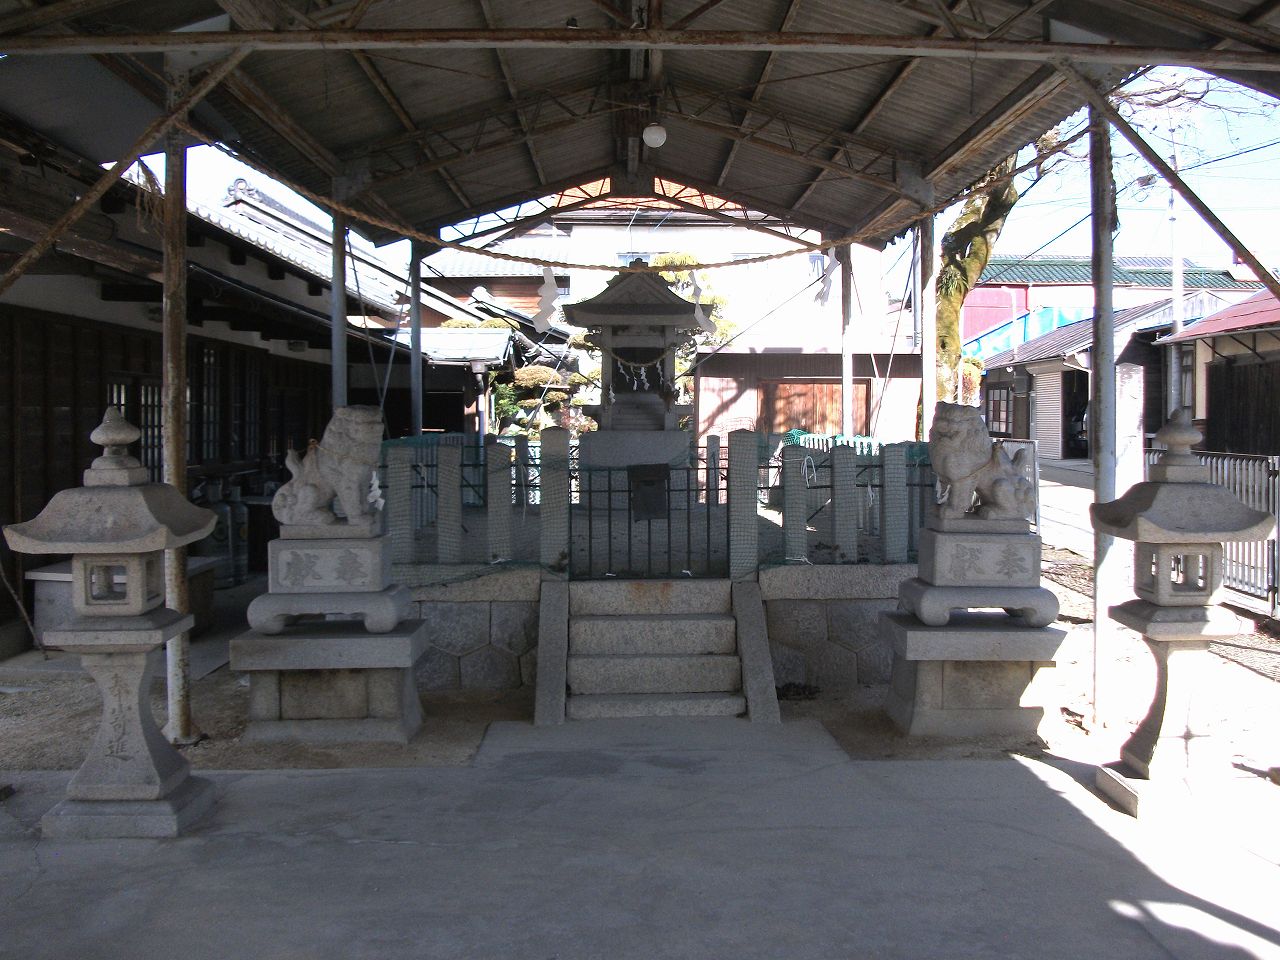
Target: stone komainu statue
[(339, 467), (967, 462)]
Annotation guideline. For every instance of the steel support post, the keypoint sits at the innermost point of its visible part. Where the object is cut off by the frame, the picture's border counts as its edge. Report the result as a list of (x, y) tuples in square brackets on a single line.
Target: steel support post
[(846, 340), (1108, 581), (338, 313), (926, 266), (415, 339)]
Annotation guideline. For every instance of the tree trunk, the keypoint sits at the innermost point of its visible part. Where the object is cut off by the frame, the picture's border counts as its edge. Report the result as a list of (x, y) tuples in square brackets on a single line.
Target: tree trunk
[(966, 248)]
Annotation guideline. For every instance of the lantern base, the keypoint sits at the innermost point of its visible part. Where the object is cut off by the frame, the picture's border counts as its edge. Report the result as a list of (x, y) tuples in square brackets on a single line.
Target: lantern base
[(1177, 623), (106, 819), (1140, 797)]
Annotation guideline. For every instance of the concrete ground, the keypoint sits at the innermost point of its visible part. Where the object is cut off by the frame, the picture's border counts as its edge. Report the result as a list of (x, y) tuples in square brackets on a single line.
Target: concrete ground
[(830, 836), (652, 839)]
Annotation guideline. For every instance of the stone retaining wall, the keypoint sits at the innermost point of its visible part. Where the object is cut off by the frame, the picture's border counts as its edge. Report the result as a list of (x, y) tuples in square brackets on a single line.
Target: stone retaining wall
[(482, 624), (823, 622)]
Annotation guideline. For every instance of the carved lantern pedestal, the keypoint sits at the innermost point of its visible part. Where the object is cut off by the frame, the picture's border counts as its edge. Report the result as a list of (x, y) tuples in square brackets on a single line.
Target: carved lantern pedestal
[(133, 783), (1179, 521)]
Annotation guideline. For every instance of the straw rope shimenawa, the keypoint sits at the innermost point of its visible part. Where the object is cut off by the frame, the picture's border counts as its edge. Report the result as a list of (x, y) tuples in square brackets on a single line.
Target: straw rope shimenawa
[(412, 234)]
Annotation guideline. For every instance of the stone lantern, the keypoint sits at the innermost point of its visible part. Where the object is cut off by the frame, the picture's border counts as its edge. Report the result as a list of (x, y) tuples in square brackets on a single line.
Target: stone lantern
[(116, 527), (1178, 521)]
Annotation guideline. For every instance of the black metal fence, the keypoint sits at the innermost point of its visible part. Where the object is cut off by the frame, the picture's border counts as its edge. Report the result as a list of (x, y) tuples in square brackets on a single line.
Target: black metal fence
[(646, 522)]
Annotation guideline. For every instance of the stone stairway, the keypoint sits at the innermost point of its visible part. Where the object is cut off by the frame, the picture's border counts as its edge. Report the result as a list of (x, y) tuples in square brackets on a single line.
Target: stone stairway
[(652, 648)]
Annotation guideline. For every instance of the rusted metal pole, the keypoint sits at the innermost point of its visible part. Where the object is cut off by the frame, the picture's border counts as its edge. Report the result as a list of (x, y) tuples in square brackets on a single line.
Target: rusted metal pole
[(156, 128), (846, 340), (880, 45), (338, 313), (927, 267), (1100, 103), (173, 417), (1102, 395), (415, 339)]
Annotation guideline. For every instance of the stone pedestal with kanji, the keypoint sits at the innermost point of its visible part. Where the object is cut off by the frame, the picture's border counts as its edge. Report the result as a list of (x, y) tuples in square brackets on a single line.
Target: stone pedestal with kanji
[(972, 629), (333, 644)]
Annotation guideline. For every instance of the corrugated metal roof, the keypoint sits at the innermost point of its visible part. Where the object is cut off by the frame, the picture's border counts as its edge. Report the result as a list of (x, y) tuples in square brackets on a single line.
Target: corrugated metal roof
[(1154, 272), (459, 346), (1073, 338), (426, 137), (1259, 312)]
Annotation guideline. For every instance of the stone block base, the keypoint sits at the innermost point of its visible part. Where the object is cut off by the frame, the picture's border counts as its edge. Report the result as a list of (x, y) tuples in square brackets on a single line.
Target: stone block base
[(1138, 797), (969, 679), (109, 819), (328, 684), (271, 613), (1033, 606)]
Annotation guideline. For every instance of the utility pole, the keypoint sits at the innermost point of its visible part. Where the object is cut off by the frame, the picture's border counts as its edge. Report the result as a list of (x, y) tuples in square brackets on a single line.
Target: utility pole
[(1176, 399)]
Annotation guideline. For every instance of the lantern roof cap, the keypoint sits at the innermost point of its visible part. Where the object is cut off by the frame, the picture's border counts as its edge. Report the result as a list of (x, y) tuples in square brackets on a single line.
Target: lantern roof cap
[(1179, 504), (117, 510)]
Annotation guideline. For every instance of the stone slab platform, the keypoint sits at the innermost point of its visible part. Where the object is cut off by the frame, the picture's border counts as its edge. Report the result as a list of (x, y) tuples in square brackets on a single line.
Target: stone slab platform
[(330, 645), (971, 636), (327, 683), (967, 679)]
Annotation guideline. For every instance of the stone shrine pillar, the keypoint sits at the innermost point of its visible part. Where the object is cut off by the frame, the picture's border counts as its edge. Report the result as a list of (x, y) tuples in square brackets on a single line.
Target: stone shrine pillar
[(972, 629), (332, 646), (116, 527)]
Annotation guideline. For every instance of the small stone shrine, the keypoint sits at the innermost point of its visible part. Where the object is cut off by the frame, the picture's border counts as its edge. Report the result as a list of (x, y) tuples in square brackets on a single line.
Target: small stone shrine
[(116, 527), (636, 322), (1178, 521), (331, 650), (972, 629)]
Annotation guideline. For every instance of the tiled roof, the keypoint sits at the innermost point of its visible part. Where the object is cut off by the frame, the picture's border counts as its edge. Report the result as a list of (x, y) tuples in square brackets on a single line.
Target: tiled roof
[(1152, 272)]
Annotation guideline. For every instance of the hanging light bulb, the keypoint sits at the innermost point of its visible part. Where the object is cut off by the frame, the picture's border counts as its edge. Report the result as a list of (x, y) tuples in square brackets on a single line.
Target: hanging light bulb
[(654, 135)]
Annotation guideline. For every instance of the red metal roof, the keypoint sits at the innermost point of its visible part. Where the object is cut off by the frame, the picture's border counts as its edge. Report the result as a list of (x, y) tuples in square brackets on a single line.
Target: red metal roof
[(1260, 311)]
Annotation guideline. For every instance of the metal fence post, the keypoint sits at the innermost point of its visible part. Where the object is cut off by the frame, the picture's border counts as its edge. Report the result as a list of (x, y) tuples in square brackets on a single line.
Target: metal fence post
[(713, 471)]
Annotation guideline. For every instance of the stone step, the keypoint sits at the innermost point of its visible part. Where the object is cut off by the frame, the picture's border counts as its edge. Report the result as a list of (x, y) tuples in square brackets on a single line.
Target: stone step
[(710, 674), (688, 634), (604, 706), (627, 597)]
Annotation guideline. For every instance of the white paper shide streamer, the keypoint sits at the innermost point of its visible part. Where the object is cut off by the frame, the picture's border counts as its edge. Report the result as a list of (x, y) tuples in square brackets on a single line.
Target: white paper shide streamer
[(548, 293), (706, 323), (824, 289)]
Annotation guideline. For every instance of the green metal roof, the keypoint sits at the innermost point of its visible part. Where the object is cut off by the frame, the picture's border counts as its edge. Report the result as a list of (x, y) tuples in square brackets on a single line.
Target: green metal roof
[(1152, 272)]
